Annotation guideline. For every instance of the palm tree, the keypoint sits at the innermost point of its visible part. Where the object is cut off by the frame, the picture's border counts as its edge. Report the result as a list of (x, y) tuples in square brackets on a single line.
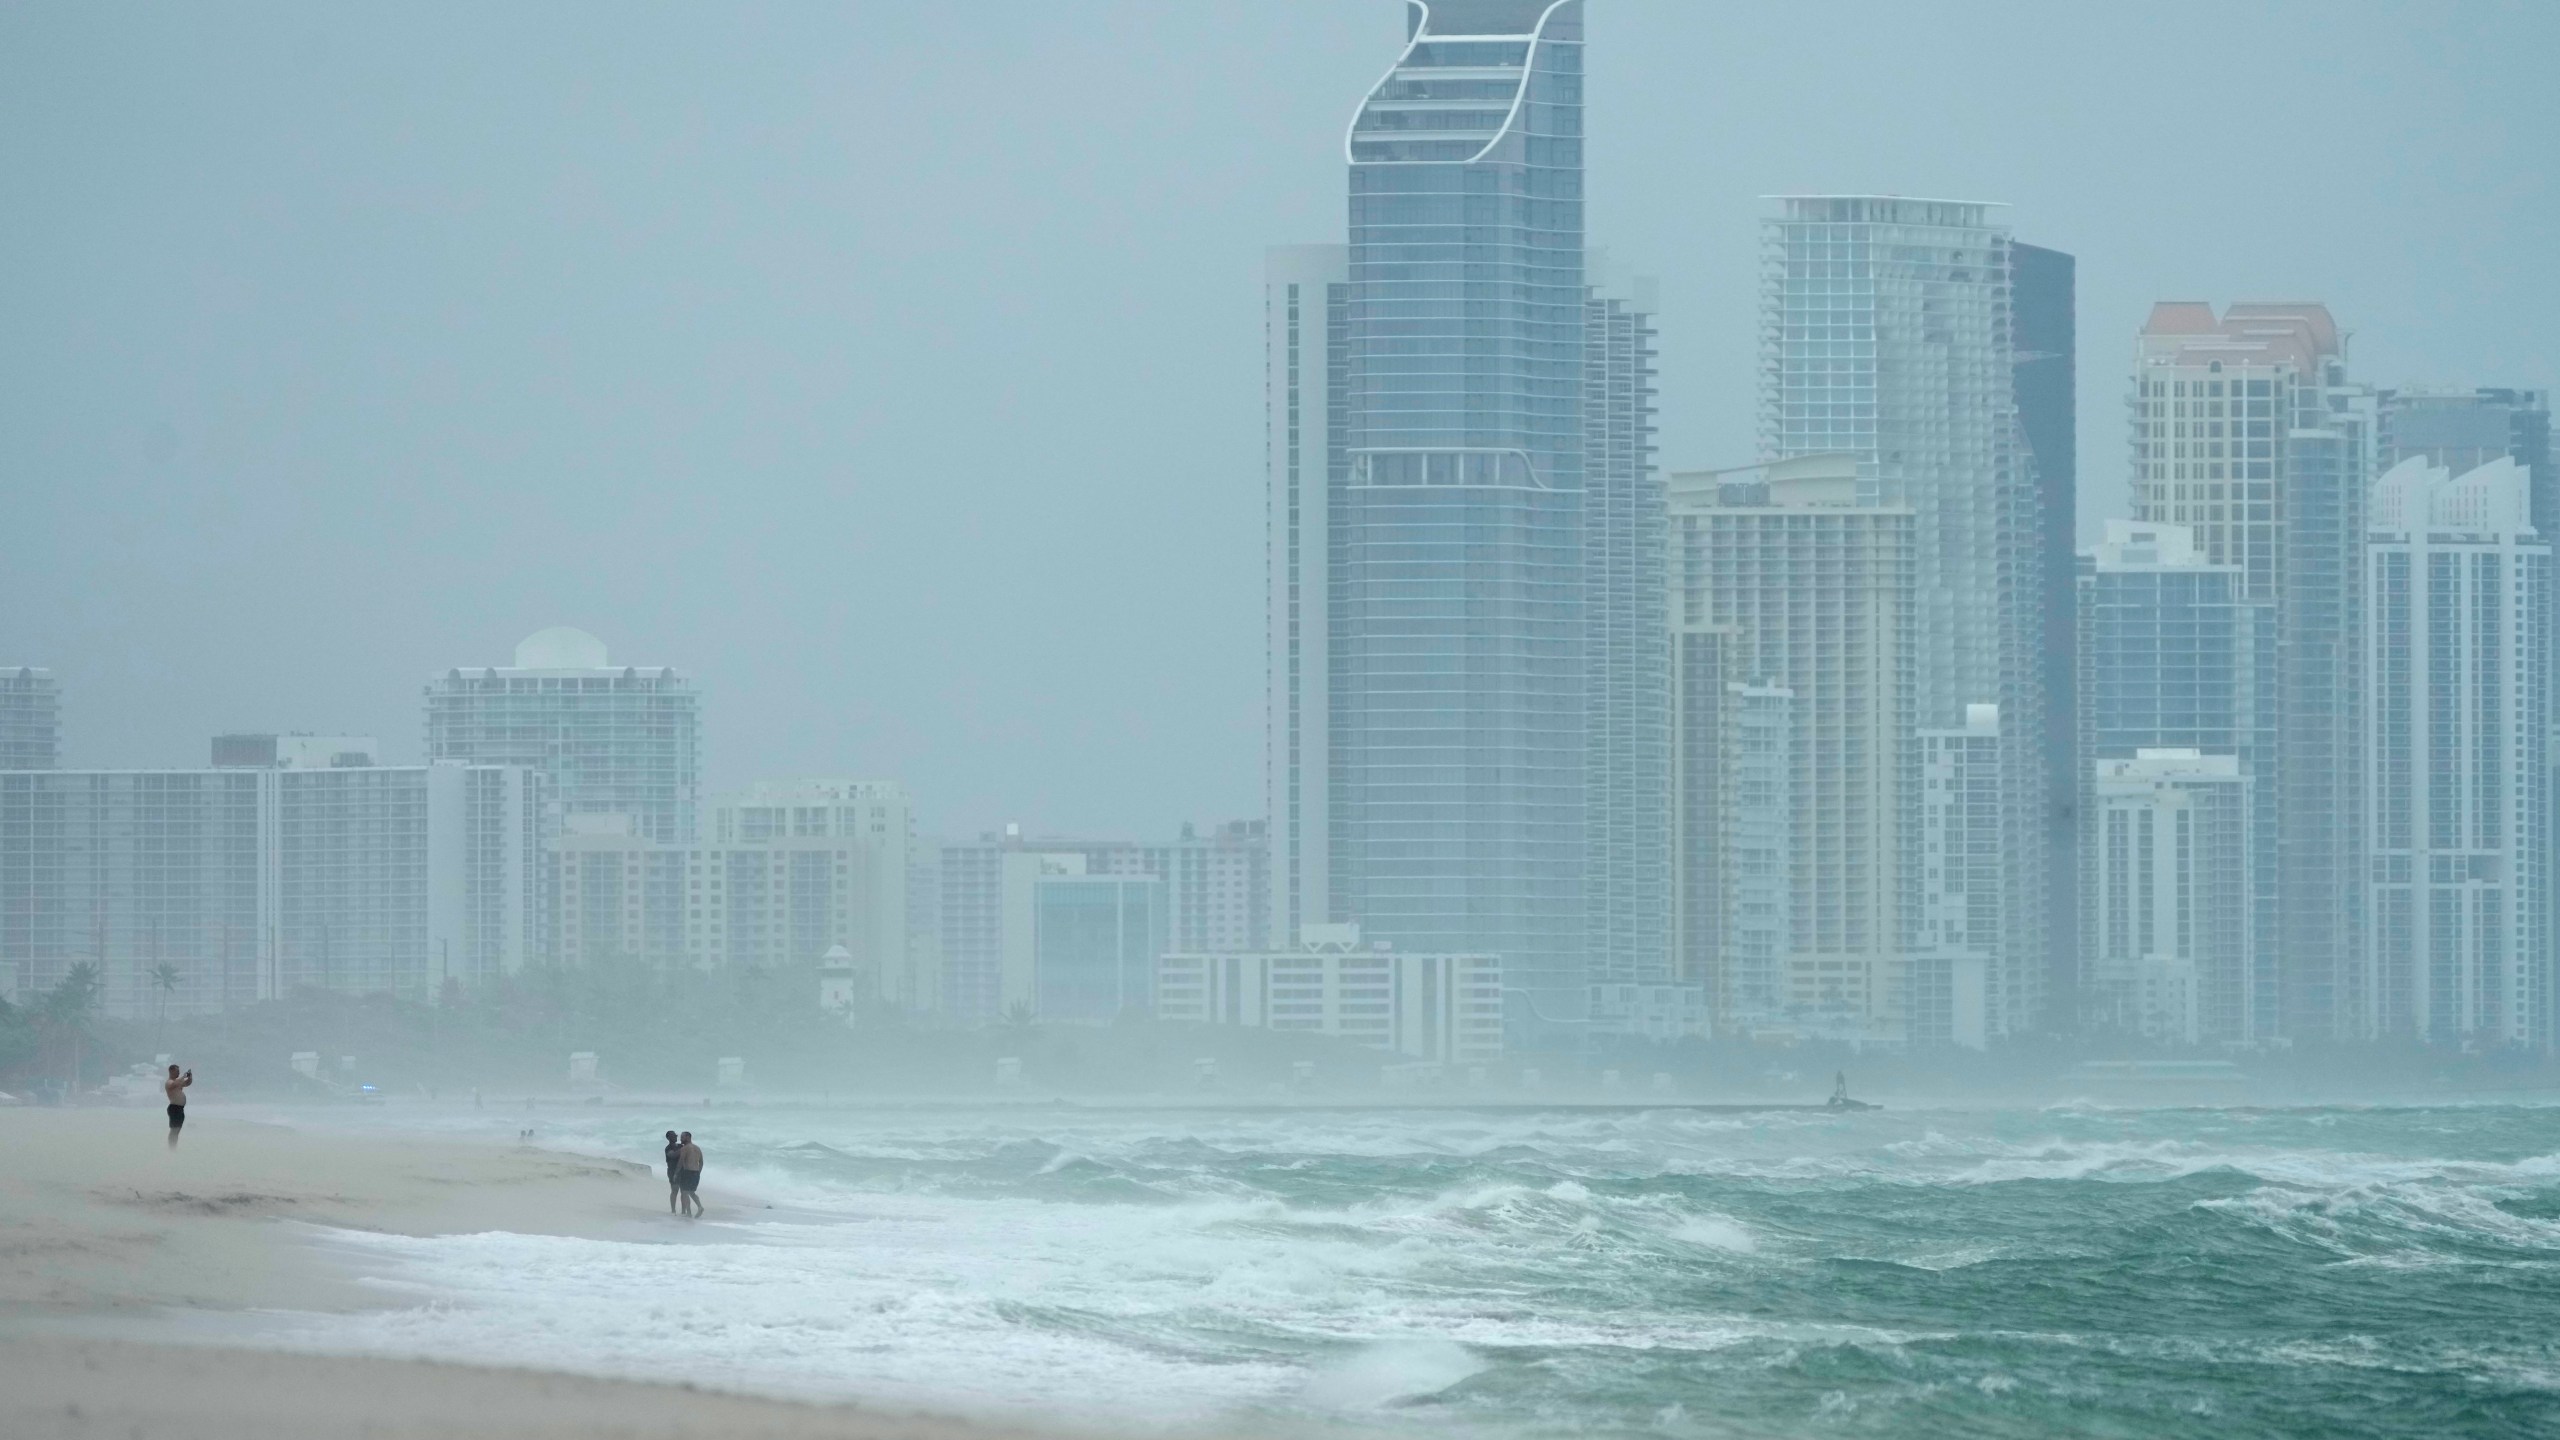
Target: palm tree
[(66, 1009), (165, 977)]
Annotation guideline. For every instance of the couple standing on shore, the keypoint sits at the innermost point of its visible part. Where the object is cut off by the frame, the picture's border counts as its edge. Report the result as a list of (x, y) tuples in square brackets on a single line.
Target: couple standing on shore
[(684, 1175)]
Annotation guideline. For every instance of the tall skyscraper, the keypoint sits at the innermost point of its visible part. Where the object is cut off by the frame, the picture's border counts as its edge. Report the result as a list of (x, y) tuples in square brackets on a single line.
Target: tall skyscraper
[(2458, 601), (2460, 430), (2044, 314), (1469, 665), (606, 741), (1627, 727), (1305, 292), (2173, 657), (2247, 430), (1803, 586), (1888, 333), (30, 720)]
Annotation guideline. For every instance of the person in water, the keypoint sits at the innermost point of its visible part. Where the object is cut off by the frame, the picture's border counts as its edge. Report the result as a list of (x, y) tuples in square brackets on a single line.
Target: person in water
[(675, 1153), (175, 1087), (689, 1174)]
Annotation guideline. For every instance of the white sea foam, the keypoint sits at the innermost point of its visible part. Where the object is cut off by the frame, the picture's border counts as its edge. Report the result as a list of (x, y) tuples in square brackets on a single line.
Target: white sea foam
[(1150, 1270), (1716, 1232), (1390, 1372)]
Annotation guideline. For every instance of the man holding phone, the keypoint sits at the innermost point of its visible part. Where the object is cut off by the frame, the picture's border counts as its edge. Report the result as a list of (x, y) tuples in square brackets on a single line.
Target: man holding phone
[(175, 1087)]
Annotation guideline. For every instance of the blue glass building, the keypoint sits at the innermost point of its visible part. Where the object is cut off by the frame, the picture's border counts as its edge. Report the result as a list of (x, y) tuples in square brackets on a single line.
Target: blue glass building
[(1469, 651), (1457, 617)]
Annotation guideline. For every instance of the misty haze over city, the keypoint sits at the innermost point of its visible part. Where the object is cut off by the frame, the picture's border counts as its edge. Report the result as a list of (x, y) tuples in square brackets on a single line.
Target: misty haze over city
[(1493, 717)]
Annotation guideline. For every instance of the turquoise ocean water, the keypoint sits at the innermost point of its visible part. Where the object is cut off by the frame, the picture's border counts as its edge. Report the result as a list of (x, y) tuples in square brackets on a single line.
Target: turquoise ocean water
[(2330, 1272)]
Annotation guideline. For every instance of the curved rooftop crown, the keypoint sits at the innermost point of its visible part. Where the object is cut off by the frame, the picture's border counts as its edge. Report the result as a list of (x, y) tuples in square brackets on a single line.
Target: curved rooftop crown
[(562, 647), (2487, 500), (1456, 90)]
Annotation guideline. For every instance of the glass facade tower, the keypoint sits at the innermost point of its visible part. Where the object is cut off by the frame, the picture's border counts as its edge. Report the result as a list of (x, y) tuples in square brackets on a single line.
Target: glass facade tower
[(1469, 648), (1889, 334), (1457, 628)]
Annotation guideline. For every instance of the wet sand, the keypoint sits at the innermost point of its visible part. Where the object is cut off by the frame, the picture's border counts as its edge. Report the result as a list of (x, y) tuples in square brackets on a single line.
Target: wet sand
[(105, 1233)]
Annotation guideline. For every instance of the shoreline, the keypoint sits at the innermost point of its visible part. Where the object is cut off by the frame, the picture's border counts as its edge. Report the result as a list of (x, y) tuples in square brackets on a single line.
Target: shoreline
[(120, 1258)]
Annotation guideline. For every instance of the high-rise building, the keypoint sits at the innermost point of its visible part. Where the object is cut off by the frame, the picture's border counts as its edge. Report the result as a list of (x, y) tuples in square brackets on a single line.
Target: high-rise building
[(2174, 657), (2461, 430), (193, 890), (1304, 297), (30, 719), (1460, 686), (1889, 334), (1733, 832), (2247, 430), (1627, 725), (2169, 896), (1469, 708), (607, 741), (2044, 316), (782, 873), (2458, 597), (1810, 587)]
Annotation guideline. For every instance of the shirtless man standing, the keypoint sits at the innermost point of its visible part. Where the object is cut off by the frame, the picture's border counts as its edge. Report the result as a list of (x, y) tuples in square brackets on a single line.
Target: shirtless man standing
[(689, 1174), (175, 1087)]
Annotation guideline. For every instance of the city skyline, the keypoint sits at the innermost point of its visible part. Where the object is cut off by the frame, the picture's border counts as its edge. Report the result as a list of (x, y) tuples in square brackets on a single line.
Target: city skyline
[(1404, 717), (1059, 728)]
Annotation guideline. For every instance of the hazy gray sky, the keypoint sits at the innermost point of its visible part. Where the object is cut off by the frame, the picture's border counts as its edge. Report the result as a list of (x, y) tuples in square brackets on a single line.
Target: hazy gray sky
[(895, 370)]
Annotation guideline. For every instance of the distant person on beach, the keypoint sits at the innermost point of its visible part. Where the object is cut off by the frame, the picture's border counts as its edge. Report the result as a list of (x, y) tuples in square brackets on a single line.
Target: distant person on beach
[(175, 1087), (675, 1156), (689, 1173)]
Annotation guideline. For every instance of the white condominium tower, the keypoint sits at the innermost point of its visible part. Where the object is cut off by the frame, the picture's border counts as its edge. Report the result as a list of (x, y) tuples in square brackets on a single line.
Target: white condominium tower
[(2458, 586), (198, 890), (1794, 585), (622, 741), (1889, 333), (2247, 430), (2168, 897)]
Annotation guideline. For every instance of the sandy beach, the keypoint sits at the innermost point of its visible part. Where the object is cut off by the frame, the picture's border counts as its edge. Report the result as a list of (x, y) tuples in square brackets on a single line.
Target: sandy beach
[(103, 1229)]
